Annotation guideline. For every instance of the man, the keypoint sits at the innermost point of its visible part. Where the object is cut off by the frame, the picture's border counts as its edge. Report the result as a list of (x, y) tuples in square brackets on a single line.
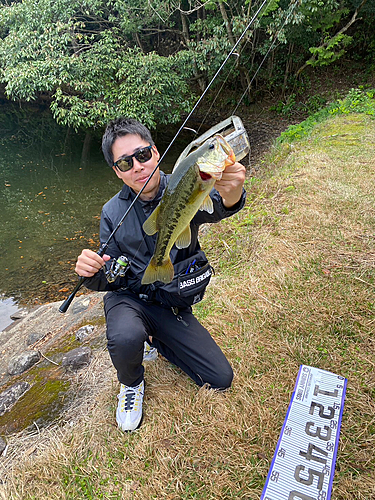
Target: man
[(136, 314)]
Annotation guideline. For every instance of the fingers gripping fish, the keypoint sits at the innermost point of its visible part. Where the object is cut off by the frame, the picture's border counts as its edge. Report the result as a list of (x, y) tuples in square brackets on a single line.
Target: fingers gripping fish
[(187, 192)]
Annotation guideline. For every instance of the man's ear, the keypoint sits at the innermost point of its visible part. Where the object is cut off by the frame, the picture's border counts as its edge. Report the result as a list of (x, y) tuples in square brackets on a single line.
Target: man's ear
[(117, 172), (156, 152)]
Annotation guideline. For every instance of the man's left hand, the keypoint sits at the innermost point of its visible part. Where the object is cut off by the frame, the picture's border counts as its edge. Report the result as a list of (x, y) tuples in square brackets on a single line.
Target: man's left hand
[(231, 183)]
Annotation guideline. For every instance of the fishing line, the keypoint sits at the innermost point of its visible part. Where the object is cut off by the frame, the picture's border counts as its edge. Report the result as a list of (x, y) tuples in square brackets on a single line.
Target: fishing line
[(255, 74), (265, 57), (213, 79)]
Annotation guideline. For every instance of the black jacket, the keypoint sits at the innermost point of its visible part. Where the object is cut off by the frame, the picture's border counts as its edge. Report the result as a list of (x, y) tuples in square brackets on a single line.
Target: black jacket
[(131, 241)]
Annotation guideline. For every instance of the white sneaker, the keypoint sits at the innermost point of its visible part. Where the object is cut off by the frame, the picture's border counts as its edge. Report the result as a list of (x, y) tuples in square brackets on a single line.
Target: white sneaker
[(129, 408), (149, 353)]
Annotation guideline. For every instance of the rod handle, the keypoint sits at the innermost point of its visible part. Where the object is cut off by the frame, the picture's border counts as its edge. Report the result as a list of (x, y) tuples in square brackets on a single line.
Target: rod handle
[(65, 305)]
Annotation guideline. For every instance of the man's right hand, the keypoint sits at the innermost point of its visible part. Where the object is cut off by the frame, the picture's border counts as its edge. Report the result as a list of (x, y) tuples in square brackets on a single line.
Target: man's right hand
[(89, 263)]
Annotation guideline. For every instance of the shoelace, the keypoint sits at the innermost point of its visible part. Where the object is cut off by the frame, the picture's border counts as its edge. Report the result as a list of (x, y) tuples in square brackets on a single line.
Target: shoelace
[(128, 398)]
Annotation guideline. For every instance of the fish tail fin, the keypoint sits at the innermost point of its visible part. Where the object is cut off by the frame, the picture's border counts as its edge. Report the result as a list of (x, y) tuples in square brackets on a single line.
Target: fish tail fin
[(163, 273)]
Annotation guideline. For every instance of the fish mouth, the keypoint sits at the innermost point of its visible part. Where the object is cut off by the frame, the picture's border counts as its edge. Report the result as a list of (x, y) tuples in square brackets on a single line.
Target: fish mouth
[(204, 176), (219, 156)]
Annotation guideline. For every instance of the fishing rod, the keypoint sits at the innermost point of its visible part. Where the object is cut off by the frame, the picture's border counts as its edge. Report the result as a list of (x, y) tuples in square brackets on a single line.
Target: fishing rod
[(103, 247)]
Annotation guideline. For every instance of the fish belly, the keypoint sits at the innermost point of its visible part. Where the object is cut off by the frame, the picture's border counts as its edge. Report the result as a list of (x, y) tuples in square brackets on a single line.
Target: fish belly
[(177, 208)]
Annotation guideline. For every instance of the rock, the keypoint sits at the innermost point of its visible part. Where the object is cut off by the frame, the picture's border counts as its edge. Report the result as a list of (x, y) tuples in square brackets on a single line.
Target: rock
[(11, 395), (22, 313), (77, 358), (23, 362), (3, 445), (80, 305), (34, 337), (84, 332)]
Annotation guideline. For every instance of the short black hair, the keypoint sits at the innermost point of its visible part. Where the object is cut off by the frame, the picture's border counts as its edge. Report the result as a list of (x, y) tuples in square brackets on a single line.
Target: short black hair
[(118, 128)]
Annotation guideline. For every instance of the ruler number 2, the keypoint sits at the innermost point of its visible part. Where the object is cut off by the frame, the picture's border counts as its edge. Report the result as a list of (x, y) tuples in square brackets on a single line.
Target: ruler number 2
[(328, 416)]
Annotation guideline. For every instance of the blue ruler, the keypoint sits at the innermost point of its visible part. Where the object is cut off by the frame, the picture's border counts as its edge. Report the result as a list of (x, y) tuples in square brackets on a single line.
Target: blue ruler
[(303, 465)]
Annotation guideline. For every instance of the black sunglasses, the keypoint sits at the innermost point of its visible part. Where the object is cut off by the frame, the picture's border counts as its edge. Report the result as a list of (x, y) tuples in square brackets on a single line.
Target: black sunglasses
[(126, 162)]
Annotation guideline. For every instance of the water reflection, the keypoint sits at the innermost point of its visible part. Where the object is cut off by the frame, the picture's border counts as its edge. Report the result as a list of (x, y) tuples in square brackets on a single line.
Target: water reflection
[(50, 205), (7, 308)]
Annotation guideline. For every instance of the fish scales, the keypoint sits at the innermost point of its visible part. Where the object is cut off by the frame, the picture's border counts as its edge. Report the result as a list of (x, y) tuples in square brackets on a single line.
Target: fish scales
[(166, 232), (187, 192)]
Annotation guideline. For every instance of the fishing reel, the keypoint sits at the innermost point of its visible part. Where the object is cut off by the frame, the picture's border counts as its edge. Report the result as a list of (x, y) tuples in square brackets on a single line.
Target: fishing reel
[(118, 268)]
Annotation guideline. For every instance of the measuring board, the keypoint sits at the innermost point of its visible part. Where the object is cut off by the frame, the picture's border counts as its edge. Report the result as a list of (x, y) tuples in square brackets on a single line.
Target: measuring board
[(304, 461)]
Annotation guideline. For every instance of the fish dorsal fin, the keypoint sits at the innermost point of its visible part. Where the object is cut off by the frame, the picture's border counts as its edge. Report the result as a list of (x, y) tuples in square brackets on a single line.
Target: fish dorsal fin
[(207, 205), (184, 239), (149, 225)]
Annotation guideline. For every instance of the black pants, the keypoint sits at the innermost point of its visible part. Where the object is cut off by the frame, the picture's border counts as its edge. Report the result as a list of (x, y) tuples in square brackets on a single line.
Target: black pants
[(181, 339)]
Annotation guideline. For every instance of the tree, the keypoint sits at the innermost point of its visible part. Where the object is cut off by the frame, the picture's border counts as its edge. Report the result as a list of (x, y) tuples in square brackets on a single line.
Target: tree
[(94, 60), (82, 57), (334, 46)]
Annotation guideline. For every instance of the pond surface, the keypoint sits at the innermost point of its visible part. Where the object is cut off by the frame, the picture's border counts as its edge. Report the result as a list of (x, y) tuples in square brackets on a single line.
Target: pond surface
[(50, 206)]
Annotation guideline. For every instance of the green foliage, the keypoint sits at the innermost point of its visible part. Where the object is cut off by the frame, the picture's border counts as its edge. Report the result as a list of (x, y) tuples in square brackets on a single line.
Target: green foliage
[(95, 60), (89, 71), (333, 50), (357, 101), (271, 6), (292, 106), (285, 108), (148, 87)]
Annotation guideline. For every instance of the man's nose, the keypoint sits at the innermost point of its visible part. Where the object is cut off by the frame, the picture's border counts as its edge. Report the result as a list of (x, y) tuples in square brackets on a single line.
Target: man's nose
[(137, 166)]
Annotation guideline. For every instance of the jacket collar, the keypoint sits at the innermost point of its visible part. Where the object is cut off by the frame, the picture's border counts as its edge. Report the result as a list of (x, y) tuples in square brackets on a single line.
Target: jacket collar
[(126, 192)]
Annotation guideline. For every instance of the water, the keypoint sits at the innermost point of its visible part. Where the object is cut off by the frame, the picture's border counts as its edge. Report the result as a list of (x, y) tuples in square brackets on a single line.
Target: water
[(50, 206), (7, 307)]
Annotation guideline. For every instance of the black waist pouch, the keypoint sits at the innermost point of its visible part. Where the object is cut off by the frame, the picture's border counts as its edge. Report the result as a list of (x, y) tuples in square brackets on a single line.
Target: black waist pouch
[(189, 283)]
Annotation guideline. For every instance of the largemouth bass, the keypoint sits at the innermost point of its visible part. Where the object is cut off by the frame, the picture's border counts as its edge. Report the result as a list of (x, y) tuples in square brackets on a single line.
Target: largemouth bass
[(187, 192)]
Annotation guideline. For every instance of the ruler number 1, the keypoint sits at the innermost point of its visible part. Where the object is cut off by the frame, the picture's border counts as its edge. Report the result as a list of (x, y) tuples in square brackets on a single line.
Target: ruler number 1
[(318, 391)]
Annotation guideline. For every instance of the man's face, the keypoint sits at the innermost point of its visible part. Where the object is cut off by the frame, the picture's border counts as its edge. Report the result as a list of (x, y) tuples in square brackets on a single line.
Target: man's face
[(139, 173)]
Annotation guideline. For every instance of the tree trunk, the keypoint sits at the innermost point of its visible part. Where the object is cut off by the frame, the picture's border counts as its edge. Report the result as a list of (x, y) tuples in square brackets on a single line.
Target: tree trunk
[(287, 68), (185, 33), (325, 44), (227, 23), (139, 43)]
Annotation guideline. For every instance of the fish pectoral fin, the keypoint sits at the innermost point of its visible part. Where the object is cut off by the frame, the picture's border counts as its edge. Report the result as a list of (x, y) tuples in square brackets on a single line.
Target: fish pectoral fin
[(207, 205), (184, 239), (149, 225), (163, 273)]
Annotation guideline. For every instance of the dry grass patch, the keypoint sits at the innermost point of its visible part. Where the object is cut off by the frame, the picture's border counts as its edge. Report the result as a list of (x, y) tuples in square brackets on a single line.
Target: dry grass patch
[(295, 284)]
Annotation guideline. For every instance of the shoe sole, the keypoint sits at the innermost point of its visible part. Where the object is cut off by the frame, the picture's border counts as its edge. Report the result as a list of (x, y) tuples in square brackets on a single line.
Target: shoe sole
[(127, 431)]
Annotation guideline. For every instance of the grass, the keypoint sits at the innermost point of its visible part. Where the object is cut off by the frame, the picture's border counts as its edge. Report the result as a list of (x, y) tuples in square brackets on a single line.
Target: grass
[(294, 284)]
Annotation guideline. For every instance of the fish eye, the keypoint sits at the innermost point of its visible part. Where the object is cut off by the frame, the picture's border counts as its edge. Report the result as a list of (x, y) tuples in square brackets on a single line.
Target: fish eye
[(211, 146)]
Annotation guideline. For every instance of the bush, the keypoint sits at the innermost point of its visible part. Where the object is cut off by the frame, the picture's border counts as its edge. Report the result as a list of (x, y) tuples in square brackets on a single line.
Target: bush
[(357, 101)]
